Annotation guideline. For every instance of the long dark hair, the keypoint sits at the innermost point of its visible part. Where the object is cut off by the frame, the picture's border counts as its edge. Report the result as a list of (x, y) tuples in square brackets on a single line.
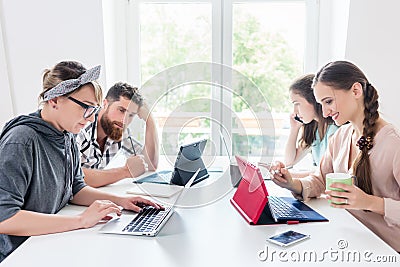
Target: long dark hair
[(341, 75), (303, 87)]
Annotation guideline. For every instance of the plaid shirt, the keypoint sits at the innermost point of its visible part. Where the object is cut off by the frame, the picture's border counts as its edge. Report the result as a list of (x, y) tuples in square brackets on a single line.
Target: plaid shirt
[(91, 155)]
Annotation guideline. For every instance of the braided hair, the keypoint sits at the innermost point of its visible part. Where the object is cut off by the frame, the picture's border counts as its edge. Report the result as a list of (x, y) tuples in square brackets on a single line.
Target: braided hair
[(341, 75)]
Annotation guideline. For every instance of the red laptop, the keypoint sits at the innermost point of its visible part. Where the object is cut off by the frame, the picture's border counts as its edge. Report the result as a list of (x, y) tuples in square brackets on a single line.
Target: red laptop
[(252, 201)]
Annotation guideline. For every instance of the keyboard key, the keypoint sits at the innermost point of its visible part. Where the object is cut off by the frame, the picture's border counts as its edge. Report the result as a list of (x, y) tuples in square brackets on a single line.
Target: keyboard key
[(282, 209), (148, 220)]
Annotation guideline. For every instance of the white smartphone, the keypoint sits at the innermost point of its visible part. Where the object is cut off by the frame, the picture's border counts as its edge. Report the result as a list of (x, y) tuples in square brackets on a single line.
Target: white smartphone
[(287, 238)]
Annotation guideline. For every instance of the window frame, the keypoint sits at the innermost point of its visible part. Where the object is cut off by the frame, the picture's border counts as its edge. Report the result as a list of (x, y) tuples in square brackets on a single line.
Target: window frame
[(222, 30)]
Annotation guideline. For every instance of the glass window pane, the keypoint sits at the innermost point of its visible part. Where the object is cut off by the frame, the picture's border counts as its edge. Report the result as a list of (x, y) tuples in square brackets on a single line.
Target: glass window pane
[(268, 48), (173, 34)]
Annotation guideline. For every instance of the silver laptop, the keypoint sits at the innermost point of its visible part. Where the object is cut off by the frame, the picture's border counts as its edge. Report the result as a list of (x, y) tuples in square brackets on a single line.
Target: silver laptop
[(148, 222)]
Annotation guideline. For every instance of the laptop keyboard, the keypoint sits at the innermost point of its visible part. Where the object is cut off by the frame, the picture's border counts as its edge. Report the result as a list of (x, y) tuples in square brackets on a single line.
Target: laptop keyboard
[(281, 209), (148, 220)]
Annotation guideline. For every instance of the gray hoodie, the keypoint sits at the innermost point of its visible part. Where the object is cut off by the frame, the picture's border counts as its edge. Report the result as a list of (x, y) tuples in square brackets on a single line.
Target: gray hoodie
[(39, 171)]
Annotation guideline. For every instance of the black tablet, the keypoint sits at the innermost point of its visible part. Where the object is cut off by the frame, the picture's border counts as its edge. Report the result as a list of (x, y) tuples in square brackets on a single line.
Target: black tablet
[(188, 161)]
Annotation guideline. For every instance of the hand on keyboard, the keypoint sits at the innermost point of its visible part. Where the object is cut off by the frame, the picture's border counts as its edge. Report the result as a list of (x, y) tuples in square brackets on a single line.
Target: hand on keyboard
[(143, 206), (133, 203)]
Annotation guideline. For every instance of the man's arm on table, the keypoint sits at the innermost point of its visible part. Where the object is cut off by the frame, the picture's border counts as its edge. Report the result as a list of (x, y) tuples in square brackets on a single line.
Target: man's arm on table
[(133, 167)]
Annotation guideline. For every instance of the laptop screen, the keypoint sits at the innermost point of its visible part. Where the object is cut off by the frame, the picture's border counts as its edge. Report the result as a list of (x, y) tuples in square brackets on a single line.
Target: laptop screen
[(251, 198), (251, 195), (252, 174)]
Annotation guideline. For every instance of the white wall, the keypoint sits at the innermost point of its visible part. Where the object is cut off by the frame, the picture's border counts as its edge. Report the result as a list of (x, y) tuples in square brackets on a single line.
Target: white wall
[(5, 93), (333, 20), (115, 41), (37, 35), (373, 43)]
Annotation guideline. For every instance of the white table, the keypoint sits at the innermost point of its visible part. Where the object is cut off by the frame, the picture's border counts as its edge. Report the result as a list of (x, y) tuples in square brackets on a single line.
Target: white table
[(213, 234)]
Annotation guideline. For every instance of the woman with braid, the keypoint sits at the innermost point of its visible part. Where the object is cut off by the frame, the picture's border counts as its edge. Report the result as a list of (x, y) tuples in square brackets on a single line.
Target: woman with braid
[(367, 148)]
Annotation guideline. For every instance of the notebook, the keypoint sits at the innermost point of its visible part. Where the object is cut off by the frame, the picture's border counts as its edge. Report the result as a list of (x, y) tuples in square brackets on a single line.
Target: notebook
[(254, 203), (187, 162), (148, 222)]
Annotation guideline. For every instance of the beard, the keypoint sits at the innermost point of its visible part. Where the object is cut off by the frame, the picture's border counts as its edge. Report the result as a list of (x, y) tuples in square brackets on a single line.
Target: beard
[(113, 132)]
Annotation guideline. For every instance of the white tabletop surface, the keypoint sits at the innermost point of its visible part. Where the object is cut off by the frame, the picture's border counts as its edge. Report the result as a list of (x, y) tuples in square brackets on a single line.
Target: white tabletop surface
[(211, 234)]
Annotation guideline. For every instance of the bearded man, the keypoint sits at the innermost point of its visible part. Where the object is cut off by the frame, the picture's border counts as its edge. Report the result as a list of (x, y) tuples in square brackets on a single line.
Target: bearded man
[(109, 134)]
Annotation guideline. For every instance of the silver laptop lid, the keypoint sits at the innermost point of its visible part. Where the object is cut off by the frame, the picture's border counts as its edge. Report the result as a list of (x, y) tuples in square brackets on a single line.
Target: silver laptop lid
[(191, 180), (185, 187)]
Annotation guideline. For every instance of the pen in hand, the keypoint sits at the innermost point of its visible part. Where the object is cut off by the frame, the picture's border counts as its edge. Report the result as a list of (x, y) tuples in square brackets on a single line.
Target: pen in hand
[(130, 138), (269, 165), (278, 171)]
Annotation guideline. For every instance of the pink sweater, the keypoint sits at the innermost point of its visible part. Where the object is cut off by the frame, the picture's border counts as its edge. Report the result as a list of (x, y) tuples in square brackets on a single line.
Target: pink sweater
[(385, 168)]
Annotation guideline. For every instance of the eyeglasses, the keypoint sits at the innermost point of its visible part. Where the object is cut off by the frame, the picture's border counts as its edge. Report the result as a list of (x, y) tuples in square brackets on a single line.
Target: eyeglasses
[(89, 110)]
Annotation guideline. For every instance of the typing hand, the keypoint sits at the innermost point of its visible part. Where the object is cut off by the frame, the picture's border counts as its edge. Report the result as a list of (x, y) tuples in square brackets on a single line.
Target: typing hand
[(136, 165), (137, 203), (98, 211)]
